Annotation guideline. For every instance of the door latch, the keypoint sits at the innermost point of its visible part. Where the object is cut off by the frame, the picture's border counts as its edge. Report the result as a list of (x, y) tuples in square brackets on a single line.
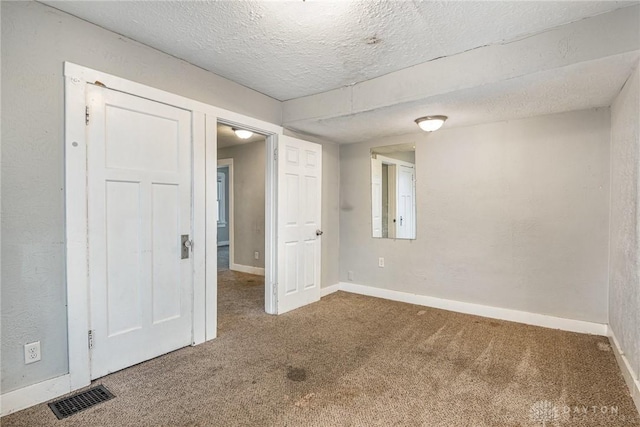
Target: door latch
[(185, 245)]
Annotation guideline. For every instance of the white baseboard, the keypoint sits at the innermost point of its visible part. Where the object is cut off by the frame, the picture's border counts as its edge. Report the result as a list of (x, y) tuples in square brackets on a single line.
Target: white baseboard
[(630, 377), (25, 397), (480, 310), (329, 290), (247, 269), (223, 243)]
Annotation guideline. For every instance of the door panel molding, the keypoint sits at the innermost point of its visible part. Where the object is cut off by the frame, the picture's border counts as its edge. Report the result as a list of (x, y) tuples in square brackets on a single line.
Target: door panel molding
[(299, 226), (140, 290)]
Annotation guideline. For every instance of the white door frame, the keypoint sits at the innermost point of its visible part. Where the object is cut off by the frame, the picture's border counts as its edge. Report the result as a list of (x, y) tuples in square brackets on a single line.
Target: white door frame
[(204, 169)]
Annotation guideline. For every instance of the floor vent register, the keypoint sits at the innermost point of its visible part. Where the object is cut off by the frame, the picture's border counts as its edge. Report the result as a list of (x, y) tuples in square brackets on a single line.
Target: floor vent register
[(68, 406)]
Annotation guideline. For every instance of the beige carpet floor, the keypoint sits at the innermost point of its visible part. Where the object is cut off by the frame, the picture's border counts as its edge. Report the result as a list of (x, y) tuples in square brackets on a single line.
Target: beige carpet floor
[(351, 360)]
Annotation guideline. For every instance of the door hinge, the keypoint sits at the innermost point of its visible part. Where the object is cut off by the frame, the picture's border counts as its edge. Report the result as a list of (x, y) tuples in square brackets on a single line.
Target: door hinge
[(275, 154), (90, 336), (86, 115)]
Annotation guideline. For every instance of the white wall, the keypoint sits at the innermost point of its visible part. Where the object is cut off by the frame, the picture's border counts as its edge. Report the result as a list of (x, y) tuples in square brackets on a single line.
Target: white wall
[(624, 283), (36, 39), (511, 214), (248, 195)]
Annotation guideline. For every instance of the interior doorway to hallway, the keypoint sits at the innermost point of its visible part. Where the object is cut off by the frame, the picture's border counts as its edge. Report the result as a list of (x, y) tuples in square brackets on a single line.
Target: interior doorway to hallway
[(240, 224), (225, 211)]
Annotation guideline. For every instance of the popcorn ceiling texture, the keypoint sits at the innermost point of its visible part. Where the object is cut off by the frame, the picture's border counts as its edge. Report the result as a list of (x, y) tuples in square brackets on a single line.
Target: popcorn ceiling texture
[(576, 66), (576, 87), (292, 49), (624, 282)]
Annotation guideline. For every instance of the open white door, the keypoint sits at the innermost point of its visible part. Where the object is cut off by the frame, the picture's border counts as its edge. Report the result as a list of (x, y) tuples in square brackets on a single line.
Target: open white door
[(299, 223), (139, 206), (406, 222), (376, 197)]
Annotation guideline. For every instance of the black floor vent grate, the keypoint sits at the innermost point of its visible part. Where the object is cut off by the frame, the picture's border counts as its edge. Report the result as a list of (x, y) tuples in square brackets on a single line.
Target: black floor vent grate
[(79, 402)]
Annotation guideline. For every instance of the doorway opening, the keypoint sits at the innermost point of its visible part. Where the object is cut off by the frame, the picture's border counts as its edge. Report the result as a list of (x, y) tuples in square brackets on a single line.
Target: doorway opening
[(224, 212), (241, 224)]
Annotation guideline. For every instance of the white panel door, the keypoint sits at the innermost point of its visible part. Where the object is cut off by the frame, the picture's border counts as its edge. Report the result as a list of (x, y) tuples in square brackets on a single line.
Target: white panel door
[(376, 197), (139, 205), (405, 221), (299, 223)]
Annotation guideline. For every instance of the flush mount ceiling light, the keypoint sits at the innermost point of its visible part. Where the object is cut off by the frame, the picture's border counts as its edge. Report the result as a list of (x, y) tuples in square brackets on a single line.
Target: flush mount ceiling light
[(431, 123), (242, 134)]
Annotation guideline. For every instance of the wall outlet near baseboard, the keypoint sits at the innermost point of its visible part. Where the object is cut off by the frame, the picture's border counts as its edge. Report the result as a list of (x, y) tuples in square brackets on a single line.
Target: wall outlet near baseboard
[(350, 275), (32, 352), (256, 255), (381, 262)]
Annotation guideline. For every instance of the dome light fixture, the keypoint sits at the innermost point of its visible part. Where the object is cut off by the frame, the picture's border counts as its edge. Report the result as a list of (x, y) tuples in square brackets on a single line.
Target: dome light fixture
[(430, 123), (242, 133)]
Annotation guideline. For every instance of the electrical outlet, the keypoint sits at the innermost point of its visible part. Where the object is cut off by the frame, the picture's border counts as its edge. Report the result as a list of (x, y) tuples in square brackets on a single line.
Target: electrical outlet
[(32, 352), (350, 275), (256, 255), (381, 262)]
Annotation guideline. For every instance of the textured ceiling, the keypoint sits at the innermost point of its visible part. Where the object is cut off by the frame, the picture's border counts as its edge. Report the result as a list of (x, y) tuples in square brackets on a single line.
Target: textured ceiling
[(291, 49), (580, 86), (350, 71)]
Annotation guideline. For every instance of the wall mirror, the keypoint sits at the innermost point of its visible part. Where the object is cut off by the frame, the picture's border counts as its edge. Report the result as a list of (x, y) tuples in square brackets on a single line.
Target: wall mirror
[(393, 191)]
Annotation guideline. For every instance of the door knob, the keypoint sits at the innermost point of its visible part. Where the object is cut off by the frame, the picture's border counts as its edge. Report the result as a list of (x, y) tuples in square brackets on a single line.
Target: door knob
[(319, 232)]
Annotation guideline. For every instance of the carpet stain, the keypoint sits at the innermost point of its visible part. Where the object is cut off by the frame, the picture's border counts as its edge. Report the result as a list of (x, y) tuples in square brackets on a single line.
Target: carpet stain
[(604, 347), (296, 374)]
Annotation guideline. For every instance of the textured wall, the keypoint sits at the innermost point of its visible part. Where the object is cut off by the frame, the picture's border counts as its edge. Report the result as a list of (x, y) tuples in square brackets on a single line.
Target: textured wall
[(330, 214), (248, 201), (510, 214), (624, 283), (36, 39)]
